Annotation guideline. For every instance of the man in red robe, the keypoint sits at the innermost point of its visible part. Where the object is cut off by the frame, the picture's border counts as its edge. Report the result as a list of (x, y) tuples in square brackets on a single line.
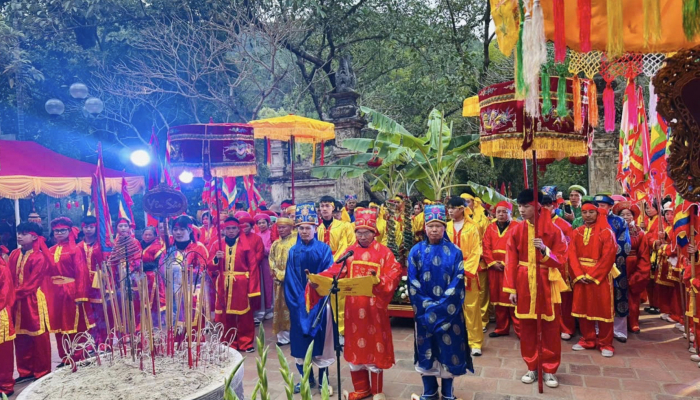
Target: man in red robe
[(668, 273), (692, 284), (531, 255), (653, 233), (233, 266), (592, 260), (67, 285), (7, 330), (638, 265), (494, 255), (92, 252), (257, 248), (368, 342), (29, 265), (568, 322)]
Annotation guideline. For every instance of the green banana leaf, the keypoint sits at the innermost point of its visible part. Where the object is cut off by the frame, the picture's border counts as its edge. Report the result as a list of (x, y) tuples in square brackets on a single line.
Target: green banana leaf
[(488, 195), (338, 171)]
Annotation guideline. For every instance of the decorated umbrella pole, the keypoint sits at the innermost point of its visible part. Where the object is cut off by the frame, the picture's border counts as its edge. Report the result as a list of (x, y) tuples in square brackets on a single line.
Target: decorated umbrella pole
[(508, 131), (293, 129), (212, 151)]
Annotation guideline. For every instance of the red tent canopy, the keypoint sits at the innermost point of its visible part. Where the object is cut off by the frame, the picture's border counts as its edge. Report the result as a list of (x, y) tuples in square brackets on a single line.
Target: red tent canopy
[(27, 167)]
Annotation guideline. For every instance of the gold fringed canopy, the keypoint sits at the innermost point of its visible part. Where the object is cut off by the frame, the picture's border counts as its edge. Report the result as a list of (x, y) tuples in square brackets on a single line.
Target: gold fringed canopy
[(506, 131), (27, 167), (304, 130)]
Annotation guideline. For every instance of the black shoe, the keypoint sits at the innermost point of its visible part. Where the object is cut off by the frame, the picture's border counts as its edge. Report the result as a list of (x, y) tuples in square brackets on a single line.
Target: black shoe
[(654, 311), (621, 339), (637, 332), (494, 334), (250, 350), (61, 365), (25, 379), (280, 344), (646, 309)]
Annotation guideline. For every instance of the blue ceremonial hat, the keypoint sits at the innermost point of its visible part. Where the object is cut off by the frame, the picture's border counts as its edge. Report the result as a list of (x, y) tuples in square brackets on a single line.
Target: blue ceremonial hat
[(306, 214), (435, 213), (603, 198), (350, 197)]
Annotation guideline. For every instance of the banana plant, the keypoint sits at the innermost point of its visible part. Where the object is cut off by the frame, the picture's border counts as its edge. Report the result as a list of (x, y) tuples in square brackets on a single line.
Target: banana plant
[(427, 162)]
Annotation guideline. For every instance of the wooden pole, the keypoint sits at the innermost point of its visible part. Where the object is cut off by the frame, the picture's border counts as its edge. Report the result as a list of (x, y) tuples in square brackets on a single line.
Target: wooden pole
[(693, 296), (525, 174), (539, 306)]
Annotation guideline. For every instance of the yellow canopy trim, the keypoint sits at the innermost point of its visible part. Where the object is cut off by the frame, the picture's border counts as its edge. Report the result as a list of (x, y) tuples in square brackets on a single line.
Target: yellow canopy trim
[(470, 107), (304, 130), (20, 187)]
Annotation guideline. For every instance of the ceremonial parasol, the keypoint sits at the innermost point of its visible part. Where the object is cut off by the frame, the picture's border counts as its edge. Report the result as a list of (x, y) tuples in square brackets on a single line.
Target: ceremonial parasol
[(507, 131), (208, 151), (293, 129)]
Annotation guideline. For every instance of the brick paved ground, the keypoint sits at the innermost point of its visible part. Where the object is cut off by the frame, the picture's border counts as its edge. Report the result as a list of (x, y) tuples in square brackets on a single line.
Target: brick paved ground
[(652, 365)]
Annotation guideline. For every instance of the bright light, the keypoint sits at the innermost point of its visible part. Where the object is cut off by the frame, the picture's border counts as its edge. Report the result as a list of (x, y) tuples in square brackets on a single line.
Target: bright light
[(186, 177), (140, 158)]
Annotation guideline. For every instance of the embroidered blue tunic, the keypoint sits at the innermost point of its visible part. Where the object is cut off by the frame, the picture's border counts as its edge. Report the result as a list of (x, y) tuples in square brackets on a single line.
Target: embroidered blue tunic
[(316, 257), (436, 289), (624, 245)]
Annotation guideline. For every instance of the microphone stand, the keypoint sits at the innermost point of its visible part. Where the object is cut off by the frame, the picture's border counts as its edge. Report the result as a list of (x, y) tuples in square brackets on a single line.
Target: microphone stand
[(336, 326)]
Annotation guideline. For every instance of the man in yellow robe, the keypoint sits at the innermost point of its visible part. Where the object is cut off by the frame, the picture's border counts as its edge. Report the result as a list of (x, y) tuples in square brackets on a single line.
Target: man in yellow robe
[(464, 233), (278, 265), (482, 222)]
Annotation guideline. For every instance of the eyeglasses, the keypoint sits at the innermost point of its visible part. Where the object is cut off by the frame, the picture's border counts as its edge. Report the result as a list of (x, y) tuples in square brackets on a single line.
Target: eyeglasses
[(60, 231)]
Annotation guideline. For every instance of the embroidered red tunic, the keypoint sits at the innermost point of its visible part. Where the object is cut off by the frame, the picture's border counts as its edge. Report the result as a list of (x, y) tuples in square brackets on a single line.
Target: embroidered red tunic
[(93, 258), (495, 243), (67, 285), (7, 300), (149, 258), (31, 315), (368, 339), (521, 271), (237, 277), (638, 265), (592, 256)]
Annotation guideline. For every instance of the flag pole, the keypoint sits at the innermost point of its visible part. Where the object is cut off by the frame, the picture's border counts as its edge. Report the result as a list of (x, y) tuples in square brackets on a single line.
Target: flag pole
[(538, 299)]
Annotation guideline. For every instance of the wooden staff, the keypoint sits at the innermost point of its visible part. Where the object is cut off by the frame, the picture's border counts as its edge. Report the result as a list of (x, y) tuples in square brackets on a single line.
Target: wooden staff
[(157, 295), (100, 282), (187, 300)]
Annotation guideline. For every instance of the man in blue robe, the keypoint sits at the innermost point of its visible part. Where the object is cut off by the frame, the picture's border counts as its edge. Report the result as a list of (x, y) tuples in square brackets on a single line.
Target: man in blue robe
[(624, 245), (313, 256), (436, 289)]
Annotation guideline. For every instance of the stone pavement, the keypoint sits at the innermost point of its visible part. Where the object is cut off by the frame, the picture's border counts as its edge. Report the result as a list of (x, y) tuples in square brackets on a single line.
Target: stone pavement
[(652, 365)]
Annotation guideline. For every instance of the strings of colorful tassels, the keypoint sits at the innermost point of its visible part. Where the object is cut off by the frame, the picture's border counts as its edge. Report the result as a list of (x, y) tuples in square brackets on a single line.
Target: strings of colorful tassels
[(520, 87), (546, 92), (559, 30), (577, 103), (652, 21), (584, 23), (691, 18), (592, 103), (631, 93), (562, 111), (534, 55), (609, 107), (616, 44)]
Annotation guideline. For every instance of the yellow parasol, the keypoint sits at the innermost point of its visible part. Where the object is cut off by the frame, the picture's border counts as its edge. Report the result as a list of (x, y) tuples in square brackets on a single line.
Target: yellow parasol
[(293, 128)]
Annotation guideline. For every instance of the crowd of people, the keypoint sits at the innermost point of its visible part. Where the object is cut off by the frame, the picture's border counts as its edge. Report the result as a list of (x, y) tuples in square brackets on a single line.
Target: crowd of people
[(586, 262)]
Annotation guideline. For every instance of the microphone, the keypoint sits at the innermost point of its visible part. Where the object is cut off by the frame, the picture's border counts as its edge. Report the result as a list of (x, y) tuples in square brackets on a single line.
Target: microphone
[(345, 256)]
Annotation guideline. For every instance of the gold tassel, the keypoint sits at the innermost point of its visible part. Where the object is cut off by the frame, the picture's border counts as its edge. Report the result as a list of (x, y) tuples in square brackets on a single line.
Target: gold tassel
[(616, 44), (652, 22), (577, 104), (592, 104)]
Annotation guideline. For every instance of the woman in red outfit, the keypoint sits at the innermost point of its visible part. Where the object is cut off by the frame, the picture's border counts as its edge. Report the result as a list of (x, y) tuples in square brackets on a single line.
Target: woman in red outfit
[(638, 265), (153, 248)]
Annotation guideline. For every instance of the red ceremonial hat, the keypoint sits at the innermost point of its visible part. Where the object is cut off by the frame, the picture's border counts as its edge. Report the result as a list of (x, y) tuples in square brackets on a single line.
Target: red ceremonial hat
[(366, 218), (244, 218), (505, 204)]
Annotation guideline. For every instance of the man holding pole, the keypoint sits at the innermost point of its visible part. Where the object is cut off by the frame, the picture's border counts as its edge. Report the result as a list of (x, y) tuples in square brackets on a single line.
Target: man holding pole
[(308, 255), (534, 261), (369, 348)]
